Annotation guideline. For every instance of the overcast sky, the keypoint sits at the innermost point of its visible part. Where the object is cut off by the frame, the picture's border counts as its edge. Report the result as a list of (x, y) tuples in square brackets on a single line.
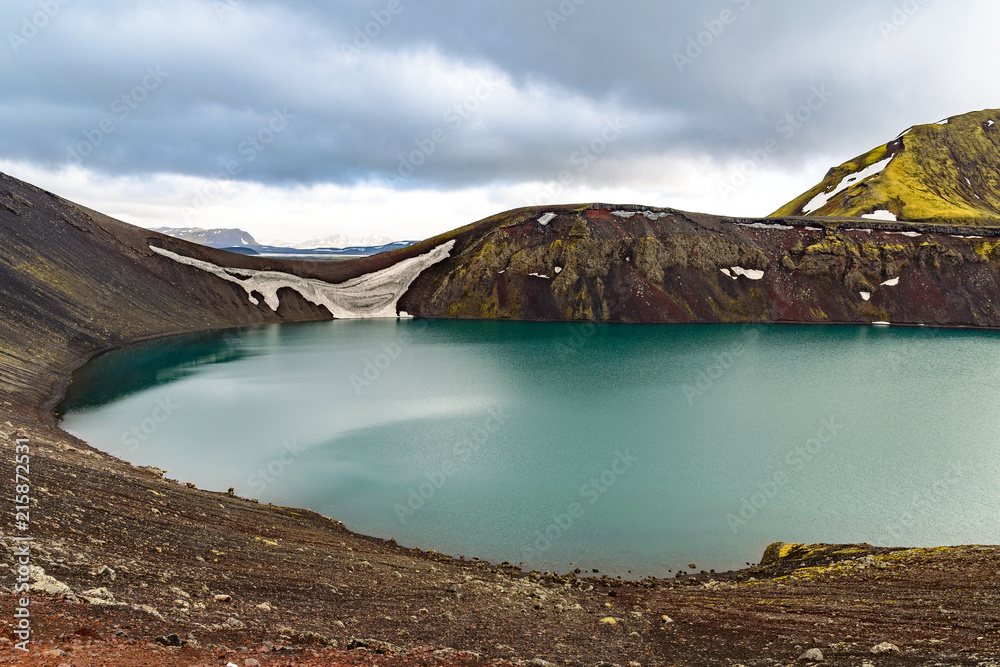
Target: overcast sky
[(411, 117)]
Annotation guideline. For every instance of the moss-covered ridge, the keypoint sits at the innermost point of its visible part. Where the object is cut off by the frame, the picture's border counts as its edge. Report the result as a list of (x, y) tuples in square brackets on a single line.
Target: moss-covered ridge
[(943, 172)]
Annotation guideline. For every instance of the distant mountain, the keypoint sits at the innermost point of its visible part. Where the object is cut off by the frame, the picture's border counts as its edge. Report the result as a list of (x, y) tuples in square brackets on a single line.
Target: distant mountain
[(239, 241), (214, 238), (947, 172), (335, 241)]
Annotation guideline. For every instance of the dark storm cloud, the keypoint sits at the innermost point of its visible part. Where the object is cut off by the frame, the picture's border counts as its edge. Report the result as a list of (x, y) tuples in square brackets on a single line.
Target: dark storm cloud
[(450, 93)]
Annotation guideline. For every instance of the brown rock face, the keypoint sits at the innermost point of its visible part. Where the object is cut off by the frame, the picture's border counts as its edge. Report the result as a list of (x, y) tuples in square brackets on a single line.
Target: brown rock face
[(628, 264)]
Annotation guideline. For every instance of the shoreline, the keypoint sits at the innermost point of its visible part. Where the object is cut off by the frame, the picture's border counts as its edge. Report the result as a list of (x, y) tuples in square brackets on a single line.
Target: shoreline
[(565, 569)]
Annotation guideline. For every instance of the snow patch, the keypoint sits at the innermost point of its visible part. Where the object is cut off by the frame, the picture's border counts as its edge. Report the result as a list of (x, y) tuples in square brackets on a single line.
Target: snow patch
[(820, 200), (967, 180), (540, 275), (912, 235), (956, 236), (990, 123), (880, 324), (943, 122), (623, 214), (558, 270), (764, 225), (655, 216), (881, 214), (866, 295), (728, 273), (891, 283), (368, 296), (752, 274), (546, 219), (814, 229), (862, 231)]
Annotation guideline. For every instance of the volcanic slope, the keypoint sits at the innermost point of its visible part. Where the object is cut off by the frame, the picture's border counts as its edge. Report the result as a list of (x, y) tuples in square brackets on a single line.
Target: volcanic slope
[(945, 172)]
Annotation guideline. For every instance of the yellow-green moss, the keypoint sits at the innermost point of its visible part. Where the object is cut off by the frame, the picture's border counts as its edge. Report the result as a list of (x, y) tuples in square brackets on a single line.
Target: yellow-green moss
[(944, 173)]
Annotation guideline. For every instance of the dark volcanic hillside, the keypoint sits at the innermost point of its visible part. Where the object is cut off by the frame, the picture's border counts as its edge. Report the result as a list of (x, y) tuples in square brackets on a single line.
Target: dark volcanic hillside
[(73, 281), (943, 172), (627, 264)]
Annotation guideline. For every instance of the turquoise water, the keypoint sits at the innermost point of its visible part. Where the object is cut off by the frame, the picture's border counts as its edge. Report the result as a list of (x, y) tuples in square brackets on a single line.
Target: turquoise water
[(635, 450)]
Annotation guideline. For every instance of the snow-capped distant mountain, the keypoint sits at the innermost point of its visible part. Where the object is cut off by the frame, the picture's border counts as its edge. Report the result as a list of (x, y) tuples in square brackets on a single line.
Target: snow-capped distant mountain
[(335, 246), (215, 238), (335, 241)]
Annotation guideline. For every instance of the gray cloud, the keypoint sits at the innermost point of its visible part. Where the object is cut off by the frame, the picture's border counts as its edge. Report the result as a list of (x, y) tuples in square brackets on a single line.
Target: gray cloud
[(535, 84)]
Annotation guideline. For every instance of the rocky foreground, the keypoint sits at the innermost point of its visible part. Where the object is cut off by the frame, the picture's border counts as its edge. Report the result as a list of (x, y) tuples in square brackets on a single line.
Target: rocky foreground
[(128, 568)]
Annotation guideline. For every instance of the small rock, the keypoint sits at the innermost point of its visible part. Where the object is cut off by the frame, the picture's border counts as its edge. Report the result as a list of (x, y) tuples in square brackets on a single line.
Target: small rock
[(105, 572), (309, 636), (234, 623), (666, 619), (149, 610), (98, 596), (608, 620), (376, 645), (250, 662), (885, 648), (223, 598), (180, 592), (43, 583), (169, 640), (263, 606), (812, 655)]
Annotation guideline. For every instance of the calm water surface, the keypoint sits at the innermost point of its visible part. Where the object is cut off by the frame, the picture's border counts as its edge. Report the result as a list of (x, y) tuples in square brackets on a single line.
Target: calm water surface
[(635, 450)]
